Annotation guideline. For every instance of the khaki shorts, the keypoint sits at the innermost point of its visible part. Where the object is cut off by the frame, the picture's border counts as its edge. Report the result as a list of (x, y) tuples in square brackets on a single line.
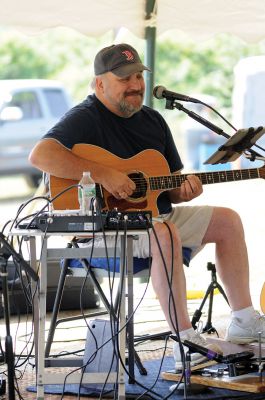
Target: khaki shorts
[(191, 221)]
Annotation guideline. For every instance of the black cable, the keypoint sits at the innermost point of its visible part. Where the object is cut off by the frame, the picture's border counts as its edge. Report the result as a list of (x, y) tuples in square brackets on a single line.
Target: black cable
[(116, 335), (28, 295), (16, 275), (171, 297), (97, 347), (159, 371), (228, 123), (107, 256), (168, 279), (219, 114), (148, 390)]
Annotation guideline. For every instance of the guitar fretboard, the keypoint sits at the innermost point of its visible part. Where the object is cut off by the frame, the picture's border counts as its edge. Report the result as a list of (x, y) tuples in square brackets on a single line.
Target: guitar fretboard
[(174, 181)]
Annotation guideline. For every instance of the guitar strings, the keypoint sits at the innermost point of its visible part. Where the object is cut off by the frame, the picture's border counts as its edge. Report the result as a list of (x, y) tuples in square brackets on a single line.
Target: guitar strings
[(206, 177)]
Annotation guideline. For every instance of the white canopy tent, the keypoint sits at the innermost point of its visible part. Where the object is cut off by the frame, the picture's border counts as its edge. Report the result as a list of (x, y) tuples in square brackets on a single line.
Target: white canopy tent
[(197, 19)]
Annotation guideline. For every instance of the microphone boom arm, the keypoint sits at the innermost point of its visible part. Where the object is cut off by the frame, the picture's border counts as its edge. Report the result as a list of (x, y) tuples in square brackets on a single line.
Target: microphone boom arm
[(174, 104), (171, 104)]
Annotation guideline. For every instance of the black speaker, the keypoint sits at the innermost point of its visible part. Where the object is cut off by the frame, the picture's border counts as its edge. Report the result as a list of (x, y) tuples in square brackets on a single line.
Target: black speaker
[(19, 303)]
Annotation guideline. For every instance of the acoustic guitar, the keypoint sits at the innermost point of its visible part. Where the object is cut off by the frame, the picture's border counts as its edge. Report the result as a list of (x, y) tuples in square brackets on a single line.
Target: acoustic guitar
[(150, 172)]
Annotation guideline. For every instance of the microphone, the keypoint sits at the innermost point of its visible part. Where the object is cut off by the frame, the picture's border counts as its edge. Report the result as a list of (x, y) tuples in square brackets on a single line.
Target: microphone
[(160, 92), (210, 354), (213, 355)]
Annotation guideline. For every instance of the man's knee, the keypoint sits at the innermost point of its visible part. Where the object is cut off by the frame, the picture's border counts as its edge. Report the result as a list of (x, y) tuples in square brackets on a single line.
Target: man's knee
[(231, 218), (166, 234), (227, 221)]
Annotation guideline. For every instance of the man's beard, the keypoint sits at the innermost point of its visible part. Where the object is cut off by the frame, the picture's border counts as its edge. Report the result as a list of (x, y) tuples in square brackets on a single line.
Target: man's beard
[(127, 109)]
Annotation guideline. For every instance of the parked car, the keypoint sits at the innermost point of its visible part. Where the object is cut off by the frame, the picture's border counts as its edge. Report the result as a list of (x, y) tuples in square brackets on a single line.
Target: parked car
[(28, 108)]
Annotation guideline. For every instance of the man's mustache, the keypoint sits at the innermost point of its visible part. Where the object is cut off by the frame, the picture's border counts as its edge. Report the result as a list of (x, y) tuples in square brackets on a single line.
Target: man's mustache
[(134, 93)]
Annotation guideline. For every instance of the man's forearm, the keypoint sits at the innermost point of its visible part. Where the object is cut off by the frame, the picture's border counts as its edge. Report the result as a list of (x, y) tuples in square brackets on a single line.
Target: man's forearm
[(52, 157)]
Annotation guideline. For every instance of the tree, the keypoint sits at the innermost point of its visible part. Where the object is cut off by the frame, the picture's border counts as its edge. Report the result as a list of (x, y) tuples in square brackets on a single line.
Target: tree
[(19, 58), (184, 66), (204, 67)]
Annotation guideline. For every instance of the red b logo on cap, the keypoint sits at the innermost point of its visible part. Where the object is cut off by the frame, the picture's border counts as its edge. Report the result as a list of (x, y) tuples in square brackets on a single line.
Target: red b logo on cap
[(128, 54)]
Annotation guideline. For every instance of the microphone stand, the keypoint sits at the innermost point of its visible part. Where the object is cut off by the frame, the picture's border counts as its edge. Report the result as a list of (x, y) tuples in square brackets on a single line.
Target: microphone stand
[(9, 355), (172, 103), (6, 250)]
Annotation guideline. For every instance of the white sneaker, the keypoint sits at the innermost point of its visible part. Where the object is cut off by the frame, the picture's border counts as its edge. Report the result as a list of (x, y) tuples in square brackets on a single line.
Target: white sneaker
[(241, 332), (196, 358)]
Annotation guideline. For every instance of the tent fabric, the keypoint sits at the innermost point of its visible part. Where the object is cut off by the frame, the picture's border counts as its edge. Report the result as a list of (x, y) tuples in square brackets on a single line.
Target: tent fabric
[(195, 19), (90, 17)]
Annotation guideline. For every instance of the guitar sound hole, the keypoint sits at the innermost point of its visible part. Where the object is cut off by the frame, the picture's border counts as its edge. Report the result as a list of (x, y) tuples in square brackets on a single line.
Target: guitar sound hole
[(141, 185)]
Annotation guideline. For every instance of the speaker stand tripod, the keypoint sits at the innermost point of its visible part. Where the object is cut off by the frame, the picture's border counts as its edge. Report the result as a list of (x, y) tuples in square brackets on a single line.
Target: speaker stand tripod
[(208, 328)]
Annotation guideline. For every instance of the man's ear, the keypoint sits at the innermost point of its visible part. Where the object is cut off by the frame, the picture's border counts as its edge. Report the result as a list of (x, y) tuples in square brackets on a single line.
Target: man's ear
[(99, 85)]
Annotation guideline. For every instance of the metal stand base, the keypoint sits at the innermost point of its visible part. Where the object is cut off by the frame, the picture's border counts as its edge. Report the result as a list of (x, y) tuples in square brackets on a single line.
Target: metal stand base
[(209, 292)]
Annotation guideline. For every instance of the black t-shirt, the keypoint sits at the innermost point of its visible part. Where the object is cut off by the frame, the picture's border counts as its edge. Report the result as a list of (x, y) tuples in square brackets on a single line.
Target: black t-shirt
[(91, 122)]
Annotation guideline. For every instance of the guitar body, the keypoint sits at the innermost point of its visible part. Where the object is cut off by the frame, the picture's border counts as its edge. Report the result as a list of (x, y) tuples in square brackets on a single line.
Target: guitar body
[(150, 172), (144, 164)]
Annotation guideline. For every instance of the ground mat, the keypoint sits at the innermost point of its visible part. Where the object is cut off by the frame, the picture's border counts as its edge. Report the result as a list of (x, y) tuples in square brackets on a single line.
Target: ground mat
[(151, 386)]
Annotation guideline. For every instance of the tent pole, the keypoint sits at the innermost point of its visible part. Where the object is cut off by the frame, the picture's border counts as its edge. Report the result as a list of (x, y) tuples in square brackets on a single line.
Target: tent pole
[(150, 37)]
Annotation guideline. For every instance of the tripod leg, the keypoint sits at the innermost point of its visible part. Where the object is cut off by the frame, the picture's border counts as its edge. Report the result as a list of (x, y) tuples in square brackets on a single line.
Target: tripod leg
[(208, 326), (198, 313), (139, 364), (210, 292)]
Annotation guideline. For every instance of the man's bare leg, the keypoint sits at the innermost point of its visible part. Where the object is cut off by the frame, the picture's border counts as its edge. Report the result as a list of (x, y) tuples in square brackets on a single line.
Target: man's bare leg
[(159, 279), (226, 230)]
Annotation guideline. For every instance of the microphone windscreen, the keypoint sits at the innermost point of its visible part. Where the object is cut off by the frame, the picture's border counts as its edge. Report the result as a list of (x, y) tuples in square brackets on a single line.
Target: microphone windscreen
[(158, 92)]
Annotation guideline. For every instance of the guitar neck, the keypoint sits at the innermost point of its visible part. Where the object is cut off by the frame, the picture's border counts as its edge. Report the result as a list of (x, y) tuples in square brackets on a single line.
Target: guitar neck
[(175, 181)]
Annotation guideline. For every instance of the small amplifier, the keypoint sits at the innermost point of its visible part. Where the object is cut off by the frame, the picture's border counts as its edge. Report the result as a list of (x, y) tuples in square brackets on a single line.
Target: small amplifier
[(129, 220), (69, 223), (110, 220)]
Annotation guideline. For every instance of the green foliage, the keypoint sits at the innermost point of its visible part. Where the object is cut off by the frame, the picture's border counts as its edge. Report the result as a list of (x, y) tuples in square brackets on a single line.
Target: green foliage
[(19, 59), (184, 66), (60, 53), (202, 68)]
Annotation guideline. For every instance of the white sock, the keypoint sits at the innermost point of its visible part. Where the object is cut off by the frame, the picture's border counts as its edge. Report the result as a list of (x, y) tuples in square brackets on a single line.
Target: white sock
[(187, 333), (245, 314)]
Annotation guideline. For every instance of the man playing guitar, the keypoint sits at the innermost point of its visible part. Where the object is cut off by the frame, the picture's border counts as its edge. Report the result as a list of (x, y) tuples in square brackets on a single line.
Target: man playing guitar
[(114, 121)]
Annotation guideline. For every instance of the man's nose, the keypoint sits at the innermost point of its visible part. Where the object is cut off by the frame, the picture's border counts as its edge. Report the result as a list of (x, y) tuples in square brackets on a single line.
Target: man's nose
[(135, 83)]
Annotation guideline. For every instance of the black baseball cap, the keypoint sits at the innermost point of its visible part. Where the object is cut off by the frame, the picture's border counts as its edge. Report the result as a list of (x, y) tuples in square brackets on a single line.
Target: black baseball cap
[(120, 59)]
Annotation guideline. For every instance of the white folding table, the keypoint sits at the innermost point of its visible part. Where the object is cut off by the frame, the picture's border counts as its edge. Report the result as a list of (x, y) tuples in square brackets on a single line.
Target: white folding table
[(41, 250)]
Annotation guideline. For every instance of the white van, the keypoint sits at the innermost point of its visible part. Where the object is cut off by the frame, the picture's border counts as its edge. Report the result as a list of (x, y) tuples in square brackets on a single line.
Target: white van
[(249, 100), (28, 109)]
